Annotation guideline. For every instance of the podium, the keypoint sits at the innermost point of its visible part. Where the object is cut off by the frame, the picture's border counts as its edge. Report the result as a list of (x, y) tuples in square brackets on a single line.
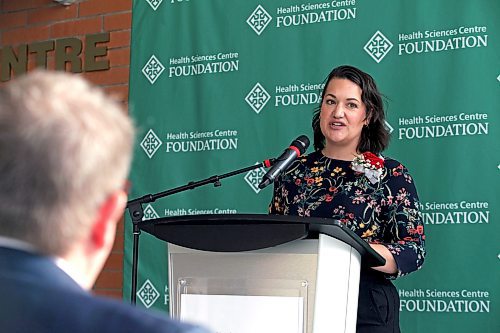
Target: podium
[(244, 273)]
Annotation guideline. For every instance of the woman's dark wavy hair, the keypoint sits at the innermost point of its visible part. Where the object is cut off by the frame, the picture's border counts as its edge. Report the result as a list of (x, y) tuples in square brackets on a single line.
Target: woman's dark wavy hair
[(374, 136)]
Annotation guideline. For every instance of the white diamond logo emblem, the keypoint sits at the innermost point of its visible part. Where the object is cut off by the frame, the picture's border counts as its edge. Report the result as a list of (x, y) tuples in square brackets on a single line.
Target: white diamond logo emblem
[(153, 69), (254, 177), (388, 127), (150, 213), (259, 19), (154, 3), (257, 98), (378, 46), (150, 143), (148, 294)]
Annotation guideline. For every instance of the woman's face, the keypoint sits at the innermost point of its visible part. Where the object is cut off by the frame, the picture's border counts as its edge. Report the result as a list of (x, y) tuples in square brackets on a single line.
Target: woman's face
[(342, 115)]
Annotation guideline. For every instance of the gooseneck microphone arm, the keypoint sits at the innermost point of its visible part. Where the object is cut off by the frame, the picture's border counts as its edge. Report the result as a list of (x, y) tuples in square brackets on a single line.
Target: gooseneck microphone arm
[(136, 210)]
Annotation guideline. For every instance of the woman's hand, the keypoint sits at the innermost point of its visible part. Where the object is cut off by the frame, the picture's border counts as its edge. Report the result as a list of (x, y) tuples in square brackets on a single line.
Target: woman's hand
[(390, 266)]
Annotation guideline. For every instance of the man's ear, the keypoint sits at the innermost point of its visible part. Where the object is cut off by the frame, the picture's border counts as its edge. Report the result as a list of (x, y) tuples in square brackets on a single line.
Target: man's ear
[(110, 212)]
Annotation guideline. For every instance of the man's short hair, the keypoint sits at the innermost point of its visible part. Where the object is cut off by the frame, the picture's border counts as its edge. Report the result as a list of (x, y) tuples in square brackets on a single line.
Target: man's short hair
[(64, 147)]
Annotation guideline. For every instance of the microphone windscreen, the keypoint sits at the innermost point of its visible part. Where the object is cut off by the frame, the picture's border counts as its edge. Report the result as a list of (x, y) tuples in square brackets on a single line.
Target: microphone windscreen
[(301, 143)]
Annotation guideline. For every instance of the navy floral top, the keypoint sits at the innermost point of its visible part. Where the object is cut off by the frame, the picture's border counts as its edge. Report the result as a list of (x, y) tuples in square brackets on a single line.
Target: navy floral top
[(384, 211)]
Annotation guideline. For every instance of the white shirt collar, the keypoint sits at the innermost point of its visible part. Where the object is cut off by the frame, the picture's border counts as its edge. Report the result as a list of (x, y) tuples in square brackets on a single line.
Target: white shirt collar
[(67, 268)]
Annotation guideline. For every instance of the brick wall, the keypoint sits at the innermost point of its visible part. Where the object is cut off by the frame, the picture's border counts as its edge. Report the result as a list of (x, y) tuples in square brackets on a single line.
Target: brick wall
[(26, 21)]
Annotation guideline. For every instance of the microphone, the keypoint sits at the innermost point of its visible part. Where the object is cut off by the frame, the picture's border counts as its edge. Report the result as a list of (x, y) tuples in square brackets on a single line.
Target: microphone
[(297, 148)]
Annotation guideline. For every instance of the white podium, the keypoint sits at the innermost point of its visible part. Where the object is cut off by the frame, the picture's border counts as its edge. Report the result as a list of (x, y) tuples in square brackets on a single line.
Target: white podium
[(263, 273)]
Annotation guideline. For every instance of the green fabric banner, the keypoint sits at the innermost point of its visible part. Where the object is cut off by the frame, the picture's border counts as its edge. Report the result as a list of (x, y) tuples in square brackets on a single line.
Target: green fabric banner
[(219, 85)]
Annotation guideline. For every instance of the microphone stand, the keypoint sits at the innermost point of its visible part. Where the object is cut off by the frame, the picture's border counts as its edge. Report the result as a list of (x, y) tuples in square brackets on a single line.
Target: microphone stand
[(136, 210)]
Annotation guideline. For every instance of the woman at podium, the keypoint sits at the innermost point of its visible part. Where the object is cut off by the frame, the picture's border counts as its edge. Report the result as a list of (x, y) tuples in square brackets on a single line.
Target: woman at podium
[(346, 178)]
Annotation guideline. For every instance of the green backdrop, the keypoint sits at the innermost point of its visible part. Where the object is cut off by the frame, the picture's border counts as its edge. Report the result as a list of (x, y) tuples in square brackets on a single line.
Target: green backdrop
[(219, 85)]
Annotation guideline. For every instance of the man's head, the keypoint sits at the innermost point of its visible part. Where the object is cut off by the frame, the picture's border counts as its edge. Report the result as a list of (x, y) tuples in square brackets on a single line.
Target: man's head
[(65, 151)]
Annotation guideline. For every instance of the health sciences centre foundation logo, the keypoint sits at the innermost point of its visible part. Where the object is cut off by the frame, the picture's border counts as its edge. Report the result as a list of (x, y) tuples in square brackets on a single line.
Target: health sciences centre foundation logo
[(214, 63), (456, 213), (153, 69), (284, 96), (445, 301), (148, 294), (196, 141), (190, 141), (302, 14), (378, 46), (422, 41), (259, 19), (154, 4), (254, 177), (170, 212), (434, 126), (150, 143), (150, 213), (257, 98)]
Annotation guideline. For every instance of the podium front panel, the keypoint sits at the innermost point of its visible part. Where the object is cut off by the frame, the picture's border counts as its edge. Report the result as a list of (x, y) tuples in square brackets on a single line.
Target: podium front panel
[(243, 305), (315, 280), (283, 274)]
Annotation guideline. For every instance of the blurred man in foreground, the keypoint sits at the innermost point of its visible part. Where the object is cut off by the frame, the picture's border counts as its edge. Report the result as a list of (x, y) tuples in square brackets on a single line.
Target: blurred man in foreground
[(65, 151)]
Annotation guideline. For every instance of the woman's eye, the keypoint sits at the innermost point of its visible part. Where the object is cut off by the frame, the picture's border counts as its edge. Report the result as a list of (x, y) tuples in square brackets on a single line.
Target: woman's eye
[(330, 102), (352, 105)]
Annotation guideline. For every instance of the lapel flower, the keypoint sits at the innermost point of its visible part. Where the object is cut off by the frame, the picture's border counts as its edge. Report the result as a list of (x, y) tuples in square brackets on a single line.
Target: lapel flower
[(369, 164)]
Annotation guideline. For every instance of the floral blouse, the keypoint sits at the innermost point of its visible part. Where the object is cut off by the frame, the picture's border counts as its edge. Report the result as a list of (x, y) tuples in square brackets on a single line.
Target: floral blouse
[(380, 209)]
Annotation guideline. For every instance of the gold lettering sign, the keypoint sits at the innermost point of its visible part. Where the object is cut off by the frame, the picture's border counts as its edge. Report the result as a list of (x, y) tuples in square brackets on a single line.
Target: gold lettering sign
[(66, 51)]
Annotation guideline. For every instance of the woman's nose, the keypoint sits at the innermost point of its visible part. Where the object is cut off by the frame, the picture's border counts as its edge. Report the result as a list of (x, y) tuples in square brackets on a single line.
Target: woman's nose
[(338, 112)]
